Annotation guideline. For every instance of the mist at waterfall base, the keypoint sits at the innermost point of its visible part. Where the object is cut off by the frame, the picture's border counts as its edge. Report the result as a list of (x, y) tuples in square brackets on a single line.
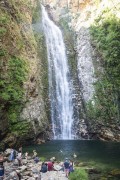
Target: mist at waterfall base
[(103, 153)]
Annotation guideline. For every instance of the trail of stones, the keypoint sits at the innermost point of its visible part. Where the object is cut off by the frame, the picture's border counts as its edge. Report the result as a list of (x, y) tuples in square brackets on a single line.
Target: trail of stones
[(54, 175)]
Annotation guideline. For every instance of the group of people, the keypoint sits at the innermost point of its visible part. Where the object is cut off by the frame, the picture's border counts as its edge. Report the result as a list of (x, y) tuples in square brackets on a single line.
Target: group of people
[(48, 166), (14, 155), (67, 167)]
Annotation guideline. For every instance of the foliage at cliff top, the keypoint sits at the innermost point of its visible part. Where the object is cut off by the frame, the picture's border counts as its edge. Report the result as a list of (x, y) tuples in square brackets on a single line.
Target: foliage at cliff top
[(105, 106)]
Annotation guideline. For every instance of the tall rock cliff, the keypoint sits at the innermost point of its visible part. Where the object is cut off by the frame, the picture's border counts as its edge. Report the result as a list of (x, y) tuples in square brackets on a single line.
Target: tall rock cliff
[(91, 32), (96, 30), (23, 116)]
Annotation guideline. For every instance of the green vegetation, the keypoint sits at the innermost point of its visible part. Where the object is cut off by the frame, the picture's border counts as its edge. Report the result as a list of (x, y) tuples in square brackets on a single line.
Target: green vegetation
[(13, 66), (42, 55), (36, 13), (21, 128), (2, 31), (17, 60), (80, 174), (11, 87), (4, 19), (105, 106), (12, 92), (16, 7), (2, 52), (43, 159)]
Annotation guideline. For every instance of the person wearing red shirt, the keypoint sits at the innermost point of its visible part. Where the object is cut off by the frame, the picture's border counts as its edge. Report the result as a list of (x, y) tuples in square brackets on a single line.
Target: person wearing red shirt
[(50, 165)]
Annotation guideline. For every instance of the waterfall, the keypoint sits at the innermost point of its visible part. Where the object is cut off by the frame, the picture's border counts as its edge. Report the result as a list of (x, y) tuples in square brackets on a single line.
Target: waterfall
[(60, 86)]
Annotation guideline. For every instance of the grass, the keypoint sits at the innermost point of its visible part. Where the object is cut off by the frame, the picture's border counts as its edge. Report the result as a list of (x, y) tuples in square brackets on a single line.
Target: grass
[(96, 170), (79, 174)]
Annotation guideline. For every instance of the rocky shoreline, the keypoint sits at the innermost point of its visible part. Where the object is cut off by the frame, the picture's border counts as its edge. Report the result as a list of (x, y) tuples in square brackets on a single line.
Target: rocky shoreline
[(29, 169)]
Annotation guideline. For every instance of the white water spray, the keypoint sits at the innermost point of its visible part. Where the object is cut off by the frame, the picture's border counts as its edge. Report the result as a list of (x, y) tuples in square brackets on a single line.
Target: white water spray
[(60, 88)]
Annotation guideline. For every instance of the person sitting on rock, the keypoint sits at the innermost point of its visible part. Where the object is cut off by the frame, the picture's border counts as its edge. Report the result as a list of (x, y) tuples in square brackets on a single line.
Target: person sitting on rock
[(50, 166), (36, 159), (43, 167)]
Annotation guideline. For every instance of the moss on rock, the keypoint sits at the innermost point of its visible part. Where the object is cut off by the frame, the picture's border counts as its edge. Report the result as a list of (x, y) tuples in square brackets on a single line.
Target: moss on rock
[(19, 70)]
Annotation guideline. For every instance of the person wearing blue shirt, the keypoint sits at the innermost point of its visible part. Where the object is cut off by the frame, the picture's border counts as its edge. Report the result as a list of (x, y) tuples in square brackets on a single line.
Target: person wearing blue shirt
[(1, 171), (66, 167)]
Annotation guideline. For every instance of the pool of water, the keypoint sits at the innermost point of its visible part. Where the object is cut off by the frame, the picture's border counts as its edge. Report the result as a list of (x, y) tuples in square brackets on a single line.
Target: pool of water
[(107, 153)]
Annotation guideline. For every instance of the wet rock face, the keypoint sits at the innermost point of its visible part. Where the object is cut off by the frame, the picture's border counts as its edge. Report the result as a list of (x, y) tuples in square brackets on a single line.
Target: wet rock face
[(20, 42), (82, 14), (34, 112), (110, 133), (85, 64)]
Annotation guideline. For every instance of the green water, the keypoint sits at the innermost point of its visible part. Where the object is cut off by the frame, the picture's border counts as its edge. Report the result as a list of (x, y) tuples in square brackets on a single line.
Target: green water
[(102, 153)]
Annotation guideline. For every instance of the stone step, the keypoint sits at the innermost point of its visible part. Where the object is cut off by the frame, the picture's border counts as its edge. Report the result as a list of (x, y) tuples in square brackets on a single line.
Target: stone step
[(53, 175)]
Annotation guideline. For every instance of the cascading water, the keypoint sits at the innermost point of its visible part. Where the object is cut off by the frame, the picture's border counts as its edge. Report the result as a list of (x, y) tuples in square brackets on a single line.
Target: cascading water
[(60, 88)]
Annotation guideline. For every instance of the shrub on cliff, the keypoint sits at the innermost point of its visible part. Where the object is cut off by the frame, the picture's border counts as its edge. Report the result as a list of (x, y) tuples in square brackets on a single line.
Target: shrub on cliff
[(105, 105)]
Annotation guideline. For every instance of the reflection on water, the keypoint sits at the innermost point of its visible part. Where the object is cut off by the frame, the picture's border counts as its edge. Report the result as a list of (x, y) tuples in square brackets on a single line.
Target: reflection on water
[(102, 152)]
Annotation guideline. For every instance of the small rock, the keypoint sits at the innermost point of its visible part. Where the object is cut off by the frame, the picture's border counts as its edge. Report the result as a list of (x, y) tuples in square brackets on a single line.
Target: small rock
[(23, 168), (7, 152)]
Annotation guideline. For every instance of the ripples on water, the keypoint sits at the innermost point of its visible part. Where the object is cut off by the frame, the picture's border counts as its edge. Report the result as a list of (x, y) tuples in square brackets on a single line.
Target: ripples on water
[(98, 151)]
